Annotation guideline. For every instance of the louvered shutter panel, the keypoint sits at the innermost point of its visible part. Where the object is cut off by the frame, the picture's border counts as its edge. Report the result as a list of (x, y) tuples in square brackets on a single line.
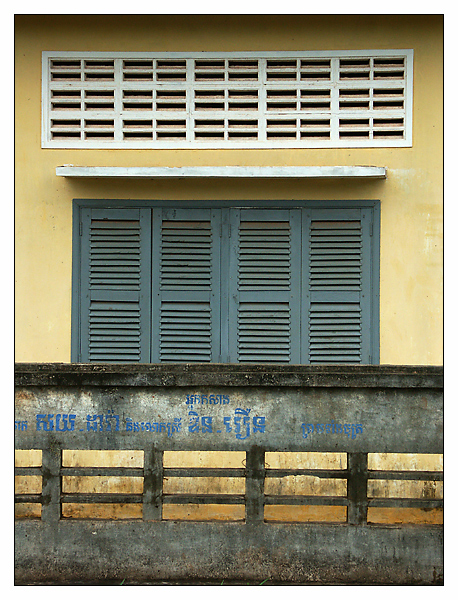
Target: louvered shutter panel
[(337, 304), (186, 289), (226, 285), (115, 283), (264, 297)]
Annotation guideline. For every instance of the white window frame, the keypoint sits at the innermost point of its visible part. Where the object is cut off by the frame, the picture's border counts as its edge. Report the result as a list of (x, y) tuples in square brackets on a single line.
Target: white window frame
[(334, 85)]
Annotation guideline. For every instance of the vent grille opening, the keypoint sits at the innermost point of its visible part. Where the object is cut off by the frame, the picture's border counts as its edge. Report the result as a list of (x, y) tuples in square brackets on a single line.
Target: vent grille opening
[(262, 89), (204, 486), (405, 489), (305, 487)]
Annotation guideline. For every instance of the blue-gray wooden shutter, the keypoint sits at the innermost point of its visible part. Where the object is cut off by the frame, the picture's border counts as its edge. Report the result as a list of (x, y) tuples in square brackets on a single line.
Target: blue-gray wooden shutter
[(337, 306), (264, 278), (186, 285), (226, 285), (115, 283)]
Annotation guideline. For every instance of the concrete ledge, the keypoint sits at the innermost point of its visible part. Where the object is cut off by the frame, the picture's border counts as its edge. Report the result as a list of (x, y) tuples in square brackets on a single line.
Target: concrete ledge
[(178, 374), (359, 172)]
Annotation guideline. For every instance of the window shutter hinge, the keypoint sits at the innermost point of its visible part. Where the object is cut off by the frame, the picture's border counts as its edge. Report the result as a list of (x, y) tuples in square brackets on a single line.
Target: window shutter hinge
[(230, 230), (81, 228), (371, 229)]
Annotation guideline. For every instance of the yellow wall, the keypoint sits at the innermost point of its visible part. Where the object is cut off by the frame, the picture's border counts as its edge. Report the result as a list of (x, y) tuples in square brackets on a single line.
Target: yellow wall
[(411, 196)]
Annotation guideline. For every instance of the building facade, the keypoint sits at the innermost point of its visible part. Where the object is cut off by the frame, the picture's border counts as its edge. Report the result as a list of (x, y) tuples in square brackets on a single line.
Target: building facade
[(378, 111), (229, 189)]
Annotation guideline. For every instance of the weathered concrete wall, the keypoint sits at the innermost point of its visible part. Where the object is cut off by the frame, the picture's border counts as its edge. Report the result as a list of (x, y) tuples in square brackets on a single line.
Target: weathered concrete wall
[(398, 409), (355, 411), (291, 553)]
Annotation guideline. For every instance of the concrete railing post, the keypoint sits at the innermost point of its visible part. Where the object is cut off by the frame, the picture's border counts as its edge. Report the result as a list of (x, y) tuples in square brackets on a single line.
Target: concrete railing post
[(51, 485), (254, 490), (152, 484), (357, 488)]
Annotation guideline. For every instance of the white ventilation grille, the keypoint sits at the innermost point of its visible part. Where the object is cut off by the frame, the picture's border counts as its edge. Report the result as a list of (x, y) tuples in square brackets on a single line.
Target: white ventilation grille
[(208, 100)]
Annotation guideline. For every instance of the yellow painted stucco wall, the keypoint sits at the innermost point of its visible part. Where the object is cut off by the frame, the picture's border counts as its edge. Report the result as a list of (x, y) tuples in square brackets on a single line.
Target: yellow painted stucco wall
[(411, 196)]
